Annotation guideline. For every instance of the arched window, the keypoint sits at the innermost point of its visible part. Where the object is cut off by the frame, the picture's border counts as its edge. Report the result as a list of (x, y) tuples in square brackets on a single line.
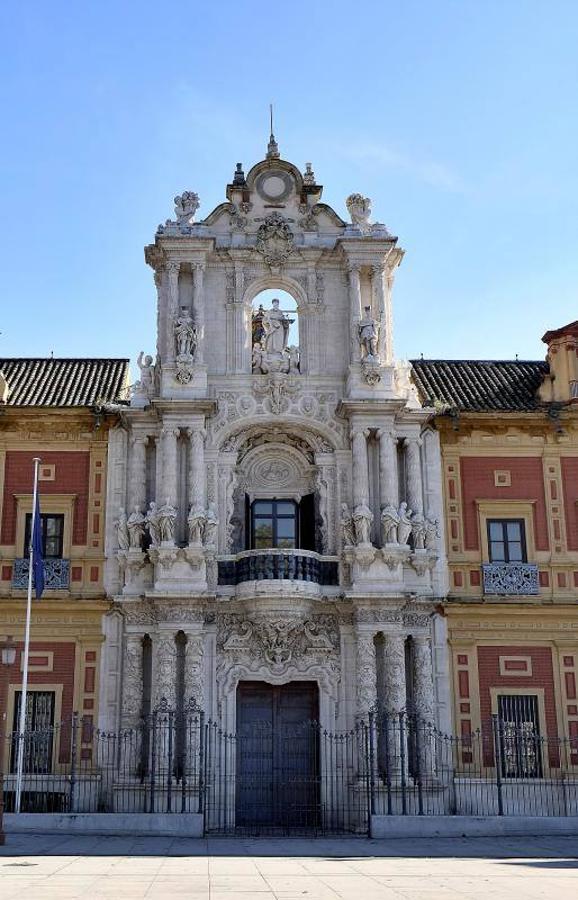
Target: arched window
[(275, 332)]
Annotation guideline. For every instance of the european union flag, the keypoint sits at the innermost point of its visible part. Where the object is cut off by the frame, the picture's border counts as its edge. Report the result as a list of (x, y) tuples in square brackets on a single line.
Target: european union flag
[(37, 555)]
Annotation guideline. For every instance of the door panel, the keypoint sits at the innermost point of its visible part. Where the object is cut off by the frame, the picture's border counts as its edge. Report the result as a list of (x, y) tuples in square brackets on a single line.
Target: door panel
[(277, 754)]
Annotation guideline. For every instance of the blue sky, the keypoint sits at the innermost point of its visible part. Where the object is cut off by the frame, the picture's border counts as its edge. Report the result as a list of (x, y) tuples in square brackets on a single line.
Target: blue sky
[(457, 117)]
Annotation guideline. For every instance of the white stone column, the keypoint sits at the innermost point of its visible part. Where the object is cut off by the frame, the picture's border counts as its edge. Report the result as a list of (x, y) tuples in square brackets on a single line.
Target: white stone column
[(395, 703), (423, 692), (388, 477), (132, 680), (197, 473), (360, 467), (162, 349), (199, 310), (137, 473), (169, 488), (165, 668), (379, 304), (414, 478), (366, 674), (173, 271), (354, 312)]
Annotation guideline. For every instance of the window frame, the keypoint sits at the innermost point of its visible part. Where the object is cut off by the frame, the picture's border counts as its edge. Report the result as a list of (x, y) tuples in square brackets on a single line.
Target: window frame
[(504, 522), (274, 517), (44, 517)]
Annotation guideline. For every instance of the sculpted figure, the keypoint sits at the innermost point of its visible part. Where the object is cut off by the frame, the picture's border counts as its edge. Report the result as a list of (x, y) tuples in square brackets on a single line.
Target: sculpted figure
[(389, 523), (293, 359), (153, 524), (404, 527), (186, 205), (210, 529), (276, 329), (347, 529), (362, 519), (136, 529), (185, 334), (257, 362), (122, 532), (145, 385), (431, 534), (167, 517), (359, 208), (196, 522), (368, 334), (418, 531)]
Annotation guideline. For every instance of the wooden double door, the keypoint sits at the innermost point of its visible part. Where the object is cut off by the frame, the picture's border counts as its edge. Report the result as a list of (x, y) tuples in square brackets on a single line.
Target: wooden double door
[(277, 756)]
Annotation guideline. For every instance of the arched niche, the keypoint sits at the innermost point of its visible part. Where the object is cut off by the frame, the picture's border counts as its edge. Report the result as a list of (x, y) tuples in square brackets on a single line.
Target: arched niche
[(275, 333)]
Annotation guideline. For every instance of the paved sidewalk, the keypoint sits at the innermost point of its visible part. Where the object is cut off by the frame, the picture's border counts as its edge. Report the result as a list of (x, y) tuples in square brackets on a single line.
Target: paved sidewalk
[(58, 866)]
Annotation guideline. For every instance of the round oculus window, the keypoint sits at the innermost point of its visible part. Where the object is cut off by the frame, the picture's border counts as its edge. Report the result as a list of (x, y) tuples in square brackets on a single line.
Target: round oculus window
[(274, 186)]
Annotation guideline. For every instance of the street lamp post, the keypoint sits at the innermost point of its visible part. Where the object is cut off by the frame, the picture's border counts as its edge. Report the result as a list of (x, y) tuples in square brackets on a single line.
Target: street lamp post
[(7, 660)]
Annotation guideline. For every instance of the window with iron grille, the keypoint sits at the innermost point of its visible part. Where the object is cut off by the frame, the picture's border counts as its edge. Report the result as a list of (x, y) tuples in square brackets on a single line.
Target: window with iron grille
[(519, 735), (506, 541), (52, 535), (39, 733)]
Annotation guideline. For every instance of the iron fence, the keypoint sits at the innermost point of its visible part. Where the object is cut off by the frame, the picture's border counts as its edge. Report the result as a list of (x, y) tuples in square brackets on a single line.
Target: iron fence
[(298, 778)]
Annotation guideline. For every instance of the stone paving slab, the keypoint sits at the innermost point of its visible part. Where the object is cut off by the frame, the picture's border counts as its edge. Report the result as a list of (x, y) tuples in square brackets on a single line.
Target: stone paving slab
[(57, 866)]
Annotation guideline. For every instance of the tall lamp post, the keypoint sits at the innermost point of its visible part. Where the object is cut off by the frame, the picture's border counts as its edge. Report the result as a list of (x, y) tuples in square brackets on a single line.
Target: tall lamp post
[(7, 660)]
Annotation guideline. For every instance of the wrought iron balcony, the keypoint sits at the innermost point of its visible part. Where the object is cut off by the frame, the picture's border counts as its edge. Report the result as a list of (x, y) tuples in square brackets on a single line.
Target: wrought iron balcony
[(510, 578), (275, 565), (56, 574)]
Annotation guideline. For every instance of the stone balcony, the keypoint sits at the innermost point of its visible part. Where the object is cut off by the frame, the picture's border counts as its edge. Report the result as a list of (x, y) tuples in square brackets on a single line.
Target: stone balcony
[(56, 574), (279, 565), (510, 579)]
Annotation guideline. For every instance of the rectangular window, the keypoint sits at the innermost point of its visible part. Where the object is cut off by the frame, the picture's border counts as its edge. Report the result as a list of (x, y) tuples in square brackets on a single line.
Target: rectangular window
[(52, 535), (39, 733), (506, 540), (274, 524), (519, 735)]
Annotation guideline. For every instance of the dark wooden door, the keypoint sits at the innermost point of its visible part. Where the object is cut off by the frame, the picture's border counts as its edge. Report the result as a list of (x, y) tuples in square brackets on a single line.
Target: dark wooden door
[(277, 750)]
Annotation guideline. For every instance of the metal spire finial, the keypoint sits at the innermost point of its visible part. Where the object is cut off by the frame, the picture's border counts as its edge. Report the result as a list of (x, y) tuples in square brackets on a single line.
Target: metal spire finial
[(272, 147)]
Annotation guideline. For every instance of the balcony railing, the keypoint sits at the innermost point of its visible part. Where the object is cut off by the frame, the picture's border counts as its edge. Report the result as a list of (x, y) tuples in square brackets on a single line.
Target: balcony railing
[(56, 574), (510, 578), (275, 565)]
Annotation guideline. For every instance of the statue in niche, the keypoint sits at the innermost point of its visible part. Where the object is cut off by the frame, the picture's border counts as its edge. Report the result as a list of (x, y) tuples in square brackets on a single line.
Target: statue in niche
[(167, 518), (153, 524), (347, 527), (210, 528), (122, 532), (136, 529), (418, 531), (404, 527), (389, 524), (275, 328), (196, 522), (362, 519), (185, 334), (369, 336)]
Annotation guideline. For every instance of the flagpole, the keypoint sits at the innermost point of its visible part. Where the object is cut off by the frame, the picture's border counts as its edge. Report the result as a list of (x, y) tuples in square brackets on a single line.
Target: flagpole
[(23, 696)]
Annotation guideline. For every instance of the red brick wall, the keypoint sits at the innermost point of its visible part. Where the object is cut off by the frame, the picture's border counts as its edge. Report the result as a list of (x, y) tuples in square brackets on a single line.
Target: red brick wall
[(62, 673), (570, 488), (477, 477), (72, 474)]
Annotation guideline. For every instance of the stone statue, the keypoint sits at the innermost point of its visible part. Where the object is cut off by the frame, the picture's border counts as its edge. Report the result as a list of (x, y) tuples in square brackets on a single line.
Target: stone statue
[(404, 527), (196, 522), (347, 529), (418, 531), (210, 529), (293, 353), (275, 328), (136, 529), (185, 334), (362, 519), (257, 361), (389, 523), (432, 534), (122, 532), (167, 516), (186, 205), (145, 387), (368, 335), (153, 524), (359, 208)]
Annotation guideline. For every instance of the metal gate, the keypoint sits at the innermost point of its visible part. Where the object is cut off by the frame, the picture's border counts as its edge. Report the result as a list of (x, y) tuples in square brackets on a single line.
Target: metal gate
[(292, 779)]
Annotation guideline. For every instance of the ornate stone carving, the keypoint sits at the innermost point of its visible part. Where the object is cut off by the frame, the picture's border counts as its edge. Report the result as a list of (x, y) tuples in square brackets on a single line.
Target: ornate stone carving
[(136, 529), (404, 525), (359, 208), (122, 531), (347, 528), (194, 669), (153, 524), (362, 519), (236, 220), (196, 523), (369, 336), (132, 678), (276, 389), (210, 527), (167, 517), (186, 206), (145, 387), (275, 240), (278, 641), (366, 673), (165, 671), (423, 561)]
